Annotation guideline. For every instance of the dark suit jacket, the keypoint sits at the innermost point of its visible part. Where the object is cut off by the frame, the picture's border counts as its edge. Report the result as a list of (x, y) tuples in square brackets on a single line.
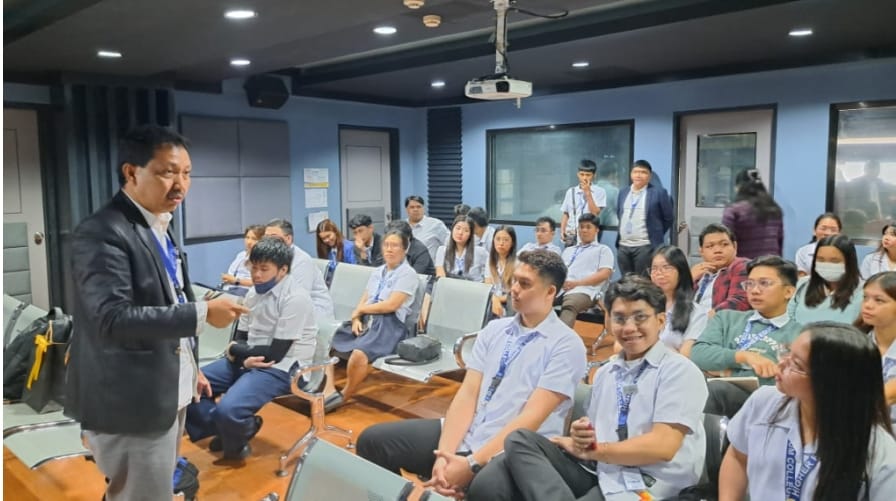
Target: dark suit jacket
[(419, 259), (727, 294), (124, 366), (375, 257), (658, 213)]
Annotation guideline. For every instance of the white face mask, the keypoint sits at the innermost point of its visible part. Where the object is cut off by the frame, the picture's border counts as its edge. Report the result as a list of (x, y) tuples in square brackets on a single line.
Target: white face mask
[(830, 272)]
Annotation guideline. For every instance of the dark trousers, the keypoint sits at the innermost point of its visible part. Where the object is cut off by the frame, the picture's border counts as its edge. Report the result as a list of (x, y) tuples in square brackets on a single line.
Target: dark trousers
[(245, 392), (725, 398), (409, 444), (634, 259)]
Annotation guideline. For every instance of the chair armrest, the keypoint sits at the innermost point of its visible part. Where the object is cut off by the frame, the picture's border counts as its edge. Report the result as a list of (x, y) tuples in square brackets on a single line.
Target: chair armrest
[(459, 348), (296, 379), (592, 368)]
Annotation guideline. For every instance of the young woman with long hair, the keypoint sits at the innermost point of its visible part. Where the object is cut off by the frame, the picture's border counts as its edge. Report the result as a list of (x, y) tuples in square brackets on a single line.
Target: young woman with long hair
[(460, 258), (754, 217), (501, 262), (833, 289), (884, 258), (685, 320), (822, 433), (826, 225), (878, 319), (332, 246)]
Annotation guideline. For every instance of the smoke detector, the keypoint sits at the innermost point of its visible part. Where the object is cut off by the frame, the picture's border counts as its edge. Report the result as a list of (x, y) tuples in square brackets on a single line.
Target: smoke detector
[(413, 4), (432, 20)]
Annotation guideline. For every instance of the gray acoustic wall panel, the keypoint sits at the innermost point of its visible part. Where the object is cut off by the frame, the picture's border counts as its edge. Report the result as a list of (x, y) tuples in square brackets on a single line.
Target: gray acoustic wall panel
[(214, 207), (214, 145), (265, 198), (264, 148)]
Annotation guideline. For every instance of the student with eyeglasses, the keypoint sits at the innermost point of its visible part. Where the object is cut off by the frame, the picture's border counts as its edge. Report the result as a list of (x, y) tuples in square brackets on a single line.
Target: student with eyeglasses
[(822, 432), (545, 228), (745, 343), (685, 319), (717, 279), (833, 289), (878, 319)]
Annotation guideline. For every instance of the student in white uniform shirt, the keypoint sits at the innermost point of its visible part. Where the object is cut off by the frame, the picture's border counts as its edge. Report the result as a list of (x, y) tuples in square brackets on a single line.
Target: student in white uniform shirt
[(584, 198), (589, 266), (304, 270), (884, 258), (482, 232), (501, 261), (643, 432), (460, 258), (826, 225), (238, 279), (522, 373), (544, 236), (822, 432), (878, 319), (430, 231)]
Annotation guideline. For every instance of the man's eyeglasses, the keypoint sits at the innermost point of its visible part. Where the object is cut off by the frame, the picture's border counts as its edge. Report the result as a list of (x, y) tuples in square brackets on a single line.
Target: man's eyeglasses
[(761, 284), (639, 318)]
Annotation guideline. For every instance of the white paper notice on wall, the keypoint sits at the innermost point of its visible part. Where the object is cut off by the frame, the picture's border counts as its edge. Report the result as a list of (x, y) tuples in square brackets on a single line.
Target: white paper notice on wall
[(315, 197), (314, 219), (317, 178)]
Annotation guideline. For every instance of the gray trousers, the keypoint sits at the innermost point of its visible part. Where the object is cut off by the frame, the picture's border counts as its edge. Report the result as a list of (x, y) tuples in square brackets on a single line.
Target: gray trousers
[(571, 305), (138, 466)]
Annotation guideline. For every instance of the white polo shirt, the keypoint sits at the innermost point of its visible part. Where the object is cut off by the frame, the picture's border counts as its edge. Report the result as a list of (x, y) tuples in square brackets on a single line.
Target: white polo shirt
[(383, 282), (758, 431), (633, 223), (476, 273), (696, 323), (888, 362), (586, 259), (575, 205), (529, 246), (804, 257), (310, 278), (432, 232), (553, 359), (671, 389)]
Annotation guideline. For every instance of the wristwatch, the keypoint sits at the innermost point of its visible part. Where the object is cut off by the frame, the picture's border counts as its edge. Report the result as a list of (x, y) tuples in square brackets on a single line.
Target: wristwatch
[(474, 466)]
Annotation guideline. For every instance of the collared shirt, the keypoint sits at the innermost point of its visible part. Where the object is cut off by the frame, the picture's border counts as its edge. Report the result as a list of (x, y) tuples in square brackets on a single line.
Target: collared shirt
[(402, 279), (485, 241), (239, 269), (760, 432), (586, 259), (634, 217), (804, 257), (876, 262), (706, 284), (670, 390), (888, 362), (554, 360), (575, 205), (696, 323), (431, 232), (284, 312), (551, 246), (186, 382), (311, 279), (476, 273), (804, 314)]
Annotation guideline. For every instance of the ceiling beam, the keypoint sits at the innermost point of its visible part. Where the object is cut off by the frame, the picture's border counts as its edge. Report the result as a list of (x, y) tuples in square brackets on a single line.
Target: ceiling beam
[(22, 18)]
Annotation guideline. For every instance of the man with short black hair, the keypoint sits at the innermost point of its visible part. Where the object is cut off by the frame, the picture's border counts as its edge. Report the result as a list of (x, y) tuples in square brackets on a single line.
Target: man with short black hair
[(368, 243), (304, 270), (429, 231), (544, 236), (482, 232), (645, 216), (590, 266), (718, 278), (584, 198)]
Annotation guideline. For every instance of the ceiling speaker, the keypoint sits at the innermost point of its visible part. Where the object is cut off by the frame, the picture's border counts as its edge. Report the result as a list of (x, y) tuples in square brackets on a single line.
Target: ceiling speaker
[(266, 91)]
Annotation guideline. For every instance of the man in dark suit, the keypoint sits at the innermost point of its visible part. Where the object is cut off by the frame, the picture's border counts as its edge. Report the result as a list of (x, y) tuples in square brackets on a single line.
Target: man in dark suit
[(132, 369), (645, 215)]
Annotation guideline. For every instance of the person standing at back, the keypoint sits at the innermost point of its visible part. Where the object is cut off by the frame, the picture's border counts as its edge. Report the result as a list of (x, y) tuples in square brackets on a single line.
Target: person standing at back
[(584, 198), (132, 368), (645, 215), (754, 217)]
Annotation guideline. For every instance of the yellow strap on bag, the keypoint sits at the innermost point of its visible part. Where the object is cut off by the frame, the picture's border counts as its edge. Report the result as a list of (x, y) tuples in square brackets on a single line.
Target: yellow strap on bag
[(42, 343)]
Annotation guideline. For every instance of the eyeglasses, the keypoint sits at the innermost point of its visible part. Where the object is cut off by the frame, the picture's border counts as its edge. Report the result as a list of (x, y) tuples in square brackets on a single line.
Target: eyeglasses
[(761, 284), (786, 358), (543, 230), (639, 318), (666, 268)]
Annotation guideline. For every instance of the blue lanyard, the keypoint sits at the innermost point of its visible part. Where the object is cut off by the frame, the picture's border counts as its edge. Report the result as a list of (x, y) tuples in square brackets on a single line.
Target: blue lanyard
[(634, 204), (793, 486), (889, 363), (169, 258), (459, 264), (332, 259), (506, 358), (746, 340), (704, 283), (575, 253), (383, 280), (624, 394)]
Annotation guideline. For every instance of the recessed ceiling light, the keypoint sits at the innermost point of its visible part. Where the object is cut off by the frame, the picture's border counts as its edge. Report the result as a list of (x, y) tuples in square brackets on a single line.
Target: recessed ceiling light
[(240, 14), (240, 62), (438, 84), (108, 53), (800, 32), (385, 30), (581, 64)]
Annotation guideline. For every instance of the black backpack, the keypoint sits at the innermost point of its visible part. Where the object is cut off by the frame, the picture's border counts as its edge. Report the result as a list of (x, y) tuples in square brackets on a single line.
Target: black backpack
[(186, 479), (18, 355)]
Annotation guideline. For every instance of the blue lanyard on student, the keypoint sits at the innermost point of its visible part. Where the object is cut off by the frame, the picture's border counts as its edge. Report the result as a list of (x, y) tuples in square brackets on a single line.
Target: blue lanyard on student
[(459, 264), (746, 340), (634, 204), (793, 486), (575, 254), (506, 357), (624, 394), (704, 283), (383, 279), (332, 259), (169, 258), (889, 363)]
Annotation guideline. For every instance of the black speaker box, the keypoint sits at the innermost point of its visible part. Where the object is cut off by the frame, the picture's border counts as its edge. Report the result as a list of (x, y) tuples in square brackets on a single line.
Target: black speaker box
[(266, 91)]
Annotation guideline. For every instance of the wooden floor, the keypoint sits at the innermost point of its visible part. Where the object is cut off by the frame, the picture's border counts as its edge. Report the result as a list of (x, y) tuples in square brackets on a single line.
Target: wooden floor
[(384, 397)]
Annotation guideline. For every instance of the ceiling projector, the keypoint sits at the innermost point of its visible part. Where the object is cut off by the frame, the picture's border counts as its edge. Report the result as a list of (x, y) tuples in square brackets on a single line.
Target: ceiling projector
[(498, 88)]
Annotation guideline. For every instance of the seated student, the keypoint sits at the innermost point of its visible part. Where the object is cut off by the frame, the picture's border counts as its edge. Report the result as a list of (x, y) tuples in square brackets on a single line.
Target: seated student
[(459, 258), (584, 198), (238, 279), (522, 374), (544, 236), (826, 225), (884, 258), (501, 261), (378, 322), (833, 290), (429, 231), (821, 432), (878, 319), (590, 265), (278, 335), (461, 210), (685, 320), (745, 343), (418, 254), (718, 278), (642, 437), (303, 269), (367, 241), (482, 232), (333, 247)]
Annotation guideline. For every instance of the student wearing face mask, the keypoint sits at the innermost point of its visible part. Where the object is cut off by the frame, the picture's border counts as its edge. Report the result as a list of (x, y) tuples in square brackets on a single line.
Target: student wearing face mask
[(832, 291)]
